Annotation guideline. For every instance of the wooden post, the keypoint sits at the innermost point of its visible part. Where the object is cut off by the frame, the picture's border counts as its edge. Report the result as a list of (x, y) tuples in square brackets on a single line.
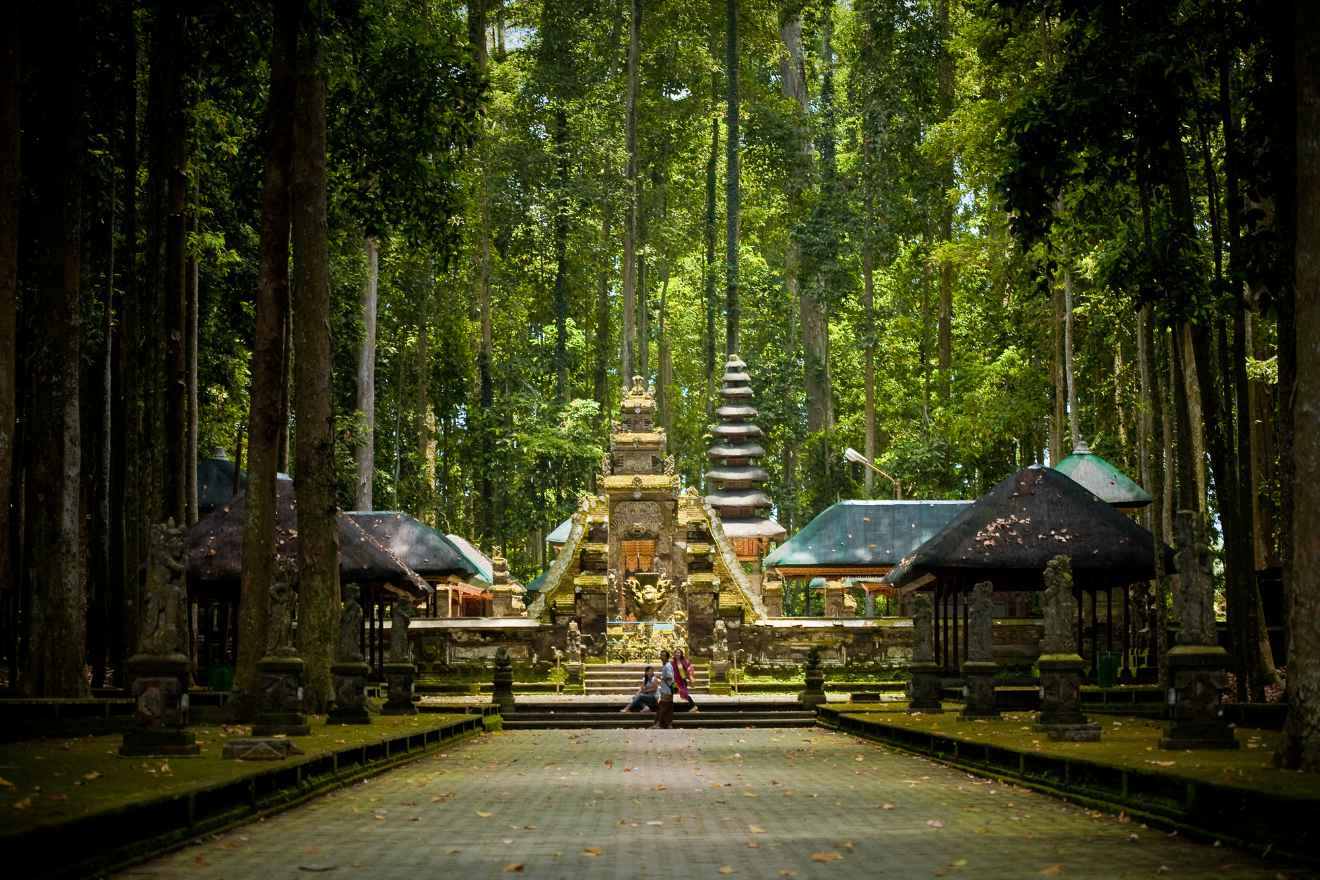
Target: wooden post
[(1109, 618), (1081, 627), (1095, 635), (935, 622), (1127, 632), (953, 625)]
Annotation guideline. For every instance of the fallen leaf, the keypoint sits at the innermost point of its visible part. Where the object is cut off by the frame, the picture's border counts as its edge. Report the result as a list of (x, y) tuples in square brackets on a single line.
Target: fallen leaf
[(726, 869), (886, 806), (1051, 870), (483, 814), (5, 783), (592, 851), (93, 775), (513, 868), (826, 856), (787, 872), (935, 823), (23, 804), (756, 829)]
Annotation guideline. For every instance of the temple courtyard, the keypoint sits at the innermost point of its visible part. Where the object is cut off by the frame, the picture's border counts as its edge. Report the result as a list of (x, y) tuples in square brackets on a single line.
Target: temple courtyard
[(753, 803)]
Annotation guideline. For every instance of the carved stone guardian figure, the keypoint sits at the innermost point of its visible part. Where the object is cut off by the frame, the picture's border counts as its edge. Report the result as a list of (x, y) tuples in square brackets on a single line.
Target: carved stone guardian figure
[(280, 672), (1060, 665), (349, 669), (979, 668), (400, 672), (924, 689), (1196, 663), (160, 668)]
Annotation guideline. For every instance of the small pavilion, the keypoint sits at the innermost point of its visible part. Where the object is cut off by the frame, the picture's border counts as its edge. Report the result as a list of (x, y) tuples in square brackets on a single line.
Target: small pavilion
[(860, 541), (432, 555), (1103, 480), (1007, 537), (215, 571)]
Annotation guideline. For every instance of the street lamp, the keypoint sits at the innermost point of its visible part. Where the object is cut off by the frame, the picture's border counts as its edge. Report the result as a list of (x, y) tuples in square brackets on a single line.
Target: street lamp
[(856, 457)]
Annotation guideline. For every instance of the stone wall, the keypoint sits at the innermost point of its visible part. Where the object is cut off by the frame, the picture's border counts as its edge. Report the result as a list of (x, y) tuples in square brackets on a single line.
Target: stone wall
[(783, 642)]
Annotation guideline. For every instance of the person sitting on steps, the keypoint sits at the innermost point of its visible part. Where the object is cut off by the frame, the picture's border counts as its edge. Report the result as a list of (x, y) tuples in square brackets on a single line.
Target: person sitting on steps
[(645, 698)]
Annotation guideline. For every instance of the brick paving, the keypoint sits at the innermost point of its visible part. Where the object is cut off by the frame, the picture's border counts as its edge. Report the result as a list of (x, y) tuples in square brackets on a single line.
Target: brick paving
[(691, 804)]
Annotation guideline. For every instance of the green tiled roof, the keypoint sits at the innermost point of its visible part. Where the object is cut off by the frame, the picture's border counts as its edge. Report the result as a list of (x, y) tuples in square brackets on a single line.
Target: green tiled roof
[(560, 534), (1102, 479), (864, 533), (478, 559)]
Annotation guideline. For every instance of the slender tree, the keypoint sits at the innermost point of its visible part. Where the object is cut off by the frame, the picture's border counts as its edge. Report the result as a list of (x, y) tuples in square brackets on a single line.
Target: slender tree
[(731, 182), (628, 343), (365, 450), (268, 356), (9, 165)]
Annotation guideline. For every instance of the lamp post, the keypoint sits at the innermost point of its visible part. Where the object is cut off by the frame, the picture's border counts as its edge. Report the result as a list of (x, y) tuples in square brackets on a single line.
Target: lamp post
[(856, 457)]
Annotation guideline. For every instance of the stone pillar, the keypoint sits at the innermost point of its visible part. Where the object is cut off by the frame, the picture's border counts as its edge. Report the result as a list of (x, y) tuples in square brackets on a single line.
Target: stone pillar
[(814, 692), (924, 688), (772, 596), (979, 668), (502, 694), (160, 669), (702, 609), (399, 669), (1060, 665), (592, 611), (280, 672), (834, 599), (506, 596), (349, 669), (1196, 663)]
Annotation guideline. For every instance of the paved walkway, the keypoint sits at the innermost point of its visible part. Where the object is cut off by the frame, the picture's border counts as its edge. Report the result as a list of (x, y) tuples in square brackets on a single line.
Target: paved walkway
[(692, 805)]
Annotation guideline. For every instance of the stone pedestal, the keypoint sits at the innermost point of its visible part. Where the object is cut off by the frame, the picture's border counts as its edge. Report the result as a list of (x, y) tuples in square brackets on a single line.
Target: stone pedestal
[(502, 694), (772, 597), (280, 699), (979, 689), (350, 694), (1060, 713), (399, 678), (925, 689), (160, 691), (814, 692), (1196, 719), (719, 676)]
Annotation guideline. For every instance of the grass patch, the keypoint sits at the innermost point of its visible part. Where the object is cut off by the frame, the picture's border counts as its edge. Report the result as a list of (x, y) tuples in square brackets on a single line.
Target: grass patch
[(1126, 743), (46, 782)]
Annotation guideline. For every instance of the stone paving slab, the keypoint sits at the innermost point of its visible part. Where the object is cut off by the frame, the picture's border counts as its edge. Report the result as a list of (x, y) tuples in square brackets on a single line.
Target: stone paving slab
[(692, 804)]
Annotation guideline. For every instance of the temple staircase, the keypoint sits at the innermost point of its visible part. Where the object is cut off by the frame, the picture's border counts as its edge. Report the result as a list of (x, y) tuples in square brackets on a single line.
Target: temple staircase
[(623, 679), (603, 713)]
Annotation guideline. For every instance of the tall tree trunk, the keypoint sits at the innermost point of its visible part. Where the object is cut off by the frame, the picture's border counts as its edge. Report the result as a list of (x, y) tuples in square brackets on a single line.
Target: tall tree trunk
[(272, 306), (365, 450), (9, 165), (1074, 427), (600, 389), (126, 532), (708, 266), (314, 462), (167, 117), (731, 182), (1300, 747), (1059, 411), (425, 502), (476, 10), (561, 252), (628, 343), (57, 620), (868, 308), (1152, 422), (946, 78), (193, 279), (1263, 453)]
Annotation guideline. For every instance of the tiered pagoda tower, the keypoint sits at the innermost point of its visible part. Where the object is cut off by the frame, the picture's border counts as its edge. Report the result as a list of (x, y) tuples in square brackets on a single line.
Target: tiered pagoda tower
[(736, 481)]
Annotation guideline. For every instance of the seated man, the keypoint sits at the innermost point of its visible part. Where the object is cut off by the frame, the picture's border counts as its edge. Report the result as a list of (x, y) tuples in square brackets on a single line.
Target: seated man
[(645, 698)]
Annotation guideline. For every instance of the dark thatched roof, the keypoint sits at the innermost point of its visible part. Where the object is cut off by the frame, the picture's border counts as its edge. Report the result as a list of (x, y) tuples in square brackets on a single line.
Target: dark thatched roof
[(863, 535), (420, 547), (215, 547), (1008, 536)]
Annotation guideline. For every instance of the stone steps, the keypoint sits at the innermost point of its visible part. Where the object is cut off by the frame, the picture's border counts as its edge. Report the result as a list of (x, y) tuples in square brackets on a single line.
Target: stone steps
[(622, 679), (605, 714)]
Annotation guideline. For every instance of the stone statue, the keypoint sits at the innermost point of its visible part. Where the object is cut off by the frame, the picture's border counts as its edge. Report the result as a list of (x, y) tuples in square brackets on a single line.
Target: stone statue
[(283, 600), (165, 609), (719, 648), (349, 647), (400, 616), (923, 630), (573, 648), (1194, 600), (1059, 607), (670, 466), (980, 623)]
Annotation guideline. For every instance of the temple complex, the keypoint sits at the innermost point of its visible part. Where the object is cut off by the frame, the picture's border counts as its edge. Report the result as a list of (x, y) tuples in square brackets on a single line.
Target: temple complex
[(647, 564)]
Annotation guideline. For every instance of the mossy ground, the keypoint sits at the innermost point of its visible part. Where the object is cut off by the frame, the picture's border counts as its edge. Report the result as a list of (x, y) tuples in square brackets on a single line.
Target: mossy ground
[(55, 780), (1126, 742)]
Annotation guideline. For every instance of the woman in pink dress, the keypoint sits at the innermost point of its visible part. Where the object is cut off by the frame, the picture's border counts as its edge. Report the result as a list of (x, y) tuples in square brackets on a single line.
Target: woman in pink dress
[(683, 676)]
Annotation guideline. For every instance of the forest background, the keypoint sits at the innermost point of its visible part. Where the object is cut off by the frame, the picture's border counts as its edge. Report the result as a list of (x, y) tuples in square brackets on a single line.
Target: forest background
[(961, 236)]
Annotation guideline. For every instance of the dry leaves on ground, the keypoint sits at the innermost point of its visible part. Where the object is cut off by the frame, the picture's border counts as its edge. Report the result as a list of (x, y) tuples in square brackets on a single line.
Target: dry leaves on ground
[(592, 851), (1052, 870), (513, 868), (483, 814), (826, 856)]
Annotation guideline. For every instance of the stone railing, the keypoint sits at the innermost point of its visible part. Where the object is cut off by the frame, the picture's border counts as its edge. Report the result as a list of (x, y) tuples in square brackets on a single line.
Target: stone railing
[(730, 560), (563, 562)]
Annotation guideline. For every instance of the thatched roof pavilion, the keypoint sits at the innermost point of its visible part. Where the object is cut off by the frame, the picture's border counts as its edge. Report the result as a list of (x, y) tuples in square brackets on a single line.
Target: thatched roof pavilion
[(1107, 482), (420, 547), (1007, 537), (215, 548), (1009, 534)]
